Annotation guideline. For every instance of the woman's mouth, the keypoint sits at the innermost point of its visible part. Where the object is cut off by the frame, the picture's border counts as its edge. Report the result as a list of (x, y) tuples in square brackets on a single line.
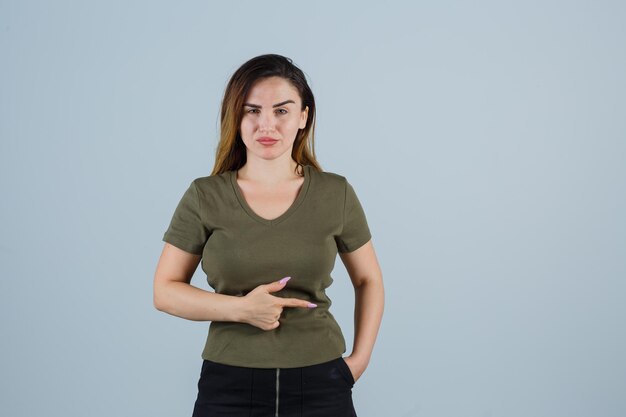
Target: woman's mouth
[(267, 141)]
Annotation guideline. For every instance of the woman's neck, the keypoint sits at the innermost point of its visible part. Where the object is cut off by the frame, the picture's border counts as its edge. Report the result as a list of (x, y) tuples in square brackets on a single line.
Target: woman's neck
[(268, 172)]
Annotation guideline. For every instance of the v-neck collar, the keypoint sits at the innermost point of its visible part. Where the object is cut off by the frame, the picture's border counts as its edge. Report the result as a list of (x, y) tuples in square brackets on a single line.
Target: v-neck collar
[(297, 202)]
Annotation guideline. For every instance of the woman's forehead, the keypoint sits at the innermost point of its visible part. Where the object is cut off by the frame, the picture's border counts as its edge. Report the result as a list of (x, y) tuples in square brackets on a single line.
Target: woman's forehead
[(272, 89)]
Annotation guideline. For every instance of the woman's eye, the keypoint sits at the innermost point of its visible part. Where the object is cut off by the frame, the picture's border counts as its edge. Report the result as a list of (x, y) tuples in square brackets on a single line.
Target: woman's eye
[(282, 111)]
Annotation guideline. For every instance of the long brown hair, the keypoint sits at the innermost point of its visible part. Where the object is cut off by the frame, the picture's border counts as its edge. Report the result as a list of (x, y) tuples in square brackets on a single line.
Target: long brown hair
[(231, 151)]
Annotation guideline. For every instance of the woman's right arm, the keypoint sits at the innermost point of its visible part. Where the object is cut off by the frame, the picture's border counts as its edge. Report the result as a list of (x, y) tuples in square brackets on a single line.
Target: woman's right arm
[(173, 294)]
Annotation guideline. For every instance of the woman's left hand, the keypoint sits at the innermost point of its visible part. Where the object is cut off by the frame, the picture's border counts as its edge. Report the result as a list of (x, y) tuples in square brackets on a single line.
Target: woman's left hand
[(356, 365)]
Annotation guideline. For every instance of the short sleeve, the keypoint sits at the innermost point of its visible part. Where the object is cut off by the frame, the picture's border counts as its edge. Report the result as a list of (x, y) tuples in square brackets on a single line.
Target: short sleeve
[(186, 230), (355, 232)]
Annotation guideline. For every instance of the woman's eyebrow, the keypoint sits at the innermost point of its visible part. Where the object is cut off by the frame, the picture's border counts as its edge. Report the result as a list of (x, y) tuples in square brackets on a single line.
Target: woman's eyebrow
[(275, 105)]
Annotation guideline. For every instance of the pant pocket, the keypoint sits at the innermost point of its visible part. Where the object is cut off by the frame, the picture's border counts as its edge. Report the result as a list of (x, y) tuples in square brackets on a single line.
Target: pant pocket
[(345, 371)]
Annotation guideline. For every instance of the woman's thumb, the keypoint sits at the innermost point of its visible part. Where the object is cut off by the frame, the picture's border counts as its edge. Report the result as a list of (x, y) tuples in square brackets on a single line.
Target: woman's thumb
[(277, 285)]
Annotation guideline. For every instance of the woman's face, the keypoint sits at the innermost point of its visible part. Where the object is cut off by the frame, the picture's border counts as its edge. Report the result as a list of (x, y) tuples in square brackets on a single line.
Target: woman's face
[(272, 110)]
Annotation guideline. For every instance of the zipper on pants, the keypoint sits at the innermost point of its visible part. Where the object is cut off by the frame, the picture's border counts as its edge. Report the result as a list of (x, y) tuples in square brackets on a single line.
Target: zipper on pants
[(277, 389)]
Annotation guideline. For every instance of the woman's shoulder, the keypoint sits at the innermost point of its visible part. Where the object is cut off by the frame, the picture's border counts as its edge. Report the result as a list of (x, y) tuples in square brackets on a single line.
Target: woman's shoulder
[(213, 185), (328, 177)]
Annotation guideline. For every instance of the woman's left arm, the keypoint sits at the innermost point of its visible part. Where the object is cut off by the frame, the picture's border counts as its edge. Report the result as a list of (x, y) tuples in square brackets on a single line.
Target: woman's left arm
[(367, 279)]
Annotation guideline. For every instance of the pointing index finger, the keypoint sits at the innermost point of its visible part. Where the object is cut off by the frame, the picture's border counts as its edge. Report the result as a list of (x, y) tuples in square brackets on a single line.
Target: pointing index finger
[(296, 302)]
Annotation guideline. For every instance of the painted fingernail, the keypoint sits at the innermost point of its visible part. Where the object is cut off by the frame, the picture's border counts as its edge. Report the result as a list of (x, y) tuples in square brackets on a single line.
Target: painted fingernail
[(282, 281), (311, 305)]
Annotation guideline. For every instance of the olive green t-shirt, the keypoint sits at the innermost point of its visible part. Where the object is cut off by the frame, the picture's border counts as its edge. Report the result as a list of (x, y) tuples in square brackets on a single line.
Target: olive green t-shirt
[(241, 250)]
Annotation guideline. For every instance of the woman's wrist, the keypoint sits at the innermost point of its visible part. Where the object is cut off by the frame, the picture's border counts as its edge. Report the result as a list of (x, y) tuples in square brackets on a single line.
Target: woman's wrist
[(360, 358), (238, 313)]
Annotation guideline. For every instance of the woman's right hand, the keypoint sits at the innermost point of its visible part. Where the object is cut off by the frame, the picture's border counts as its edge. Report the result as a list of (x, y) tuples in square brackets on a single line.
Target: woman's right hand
[(262, 309)]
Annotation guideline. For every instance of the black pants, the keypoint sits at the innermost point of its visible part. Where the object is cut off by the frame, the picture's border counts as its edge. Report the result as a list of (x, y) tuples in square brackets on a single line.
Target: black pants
[(323, 390)]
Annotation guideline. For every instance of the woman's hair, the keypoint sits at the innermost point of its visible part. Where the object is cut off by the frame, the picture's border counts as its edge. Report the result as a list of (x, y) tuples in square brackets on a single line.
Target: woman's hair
[(231, 151)]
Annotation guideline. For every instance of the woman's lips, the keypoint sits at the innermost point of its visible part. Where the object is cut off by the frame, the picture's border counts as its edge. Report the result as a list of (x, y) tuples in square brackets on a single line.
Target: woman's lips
[(267, 141)]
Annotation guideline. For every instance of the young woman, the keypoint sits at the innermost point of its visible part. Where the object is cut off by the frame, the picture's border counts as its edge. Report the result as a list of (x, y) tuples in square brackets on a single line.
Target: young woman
[(267, 225)]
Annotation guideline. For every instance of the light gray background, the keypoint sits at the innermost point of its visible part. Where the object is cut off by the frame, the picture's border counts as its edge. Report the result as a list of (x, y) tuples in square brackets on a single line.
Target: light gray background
[(486, 141)]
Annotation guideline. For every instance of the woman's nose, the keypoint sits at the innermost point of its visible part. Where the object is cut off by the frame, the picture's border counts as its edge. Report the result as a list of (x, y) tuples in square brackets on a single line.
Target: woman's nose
[(267, 121)]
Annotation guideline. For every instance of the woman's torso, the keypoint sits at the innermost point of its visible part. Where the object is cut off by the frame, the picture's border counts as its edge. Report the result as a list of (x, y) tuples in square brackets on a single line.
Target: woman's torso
[(246, 248)]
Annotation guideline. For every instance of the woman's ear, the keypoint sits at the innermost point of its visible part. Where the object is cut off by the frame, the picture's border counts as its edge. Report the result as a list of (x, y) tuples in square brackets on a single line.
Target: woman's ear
[(304, 117)]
